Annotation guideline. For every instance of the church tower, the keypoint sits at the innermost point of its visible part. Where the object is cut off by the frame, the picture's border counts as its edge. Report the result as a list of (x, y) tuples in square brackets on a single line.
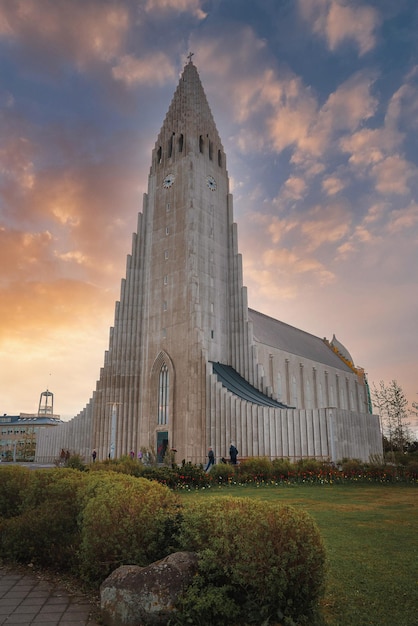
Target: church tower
[(189, 365), (182, 303)]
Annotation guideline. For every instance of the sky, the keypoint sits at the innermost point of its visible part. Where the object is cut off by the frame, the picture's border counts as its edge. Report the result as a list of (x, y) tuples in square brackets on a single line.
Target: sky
[(316, 103)]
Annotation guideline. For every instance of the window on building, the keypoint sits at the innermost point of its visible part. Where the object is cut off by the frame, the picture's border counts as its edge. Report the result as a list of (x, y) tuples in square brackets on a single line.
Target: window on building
[(165, 280), (166, 254), (201, 144), (181, 143), (159, 155), (219, 158), (163, 395)]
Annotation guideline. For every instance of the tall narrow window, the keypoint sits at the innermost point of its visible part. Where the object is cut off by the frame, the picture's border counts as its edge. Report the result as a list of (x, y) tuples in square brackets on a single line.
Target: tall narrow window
[(181, 143), (163, 391), (170, 146), (210, 150), (159, 155), (201, 143), (219, 158)]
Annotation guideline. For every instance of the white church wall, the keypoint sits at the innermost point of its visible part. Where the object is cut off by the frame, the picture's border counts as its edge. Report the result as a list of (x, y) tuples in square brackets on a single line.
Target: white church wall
[(300, 382), (331, 433)]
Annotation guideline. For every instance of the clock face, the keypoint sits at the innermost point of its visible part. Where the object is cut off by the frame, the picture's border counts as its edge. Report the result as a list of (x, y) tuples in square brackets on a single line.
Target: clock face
[(211, 183), (168, 181)]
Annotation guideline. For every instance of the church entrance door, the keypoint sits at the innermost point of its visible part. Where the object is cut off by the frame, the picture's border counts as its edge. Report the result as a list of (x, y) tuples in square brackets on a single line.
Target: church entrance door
[(162, 445)]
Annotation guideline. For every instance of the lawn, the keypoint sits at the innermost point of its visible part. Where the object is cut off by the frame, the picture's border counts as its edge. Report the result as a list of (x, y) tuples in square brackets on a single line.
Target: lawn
[(370, 533)]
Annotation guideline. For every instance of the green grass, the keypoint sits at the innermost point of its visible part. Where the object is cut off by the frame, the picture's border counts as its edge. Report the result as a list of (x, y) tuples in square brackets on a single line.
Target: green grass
[(370, 533)]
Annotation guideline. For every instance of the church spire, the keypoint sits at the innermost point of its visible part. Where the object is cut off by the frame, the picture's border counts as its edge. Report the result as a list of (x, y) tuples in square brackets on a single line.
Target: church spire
[(189, 125)]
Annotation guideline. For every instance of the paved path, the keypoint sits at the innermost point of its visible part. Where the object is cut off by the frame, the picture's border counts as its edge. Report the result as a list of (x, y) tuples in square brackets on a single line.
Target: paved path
[(26, 598)]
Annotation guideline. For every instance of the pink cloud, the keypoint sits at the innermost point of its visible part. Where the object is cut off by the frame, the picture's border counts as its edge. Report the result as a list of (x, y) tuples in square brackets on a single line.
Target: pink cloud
[(338, 23)]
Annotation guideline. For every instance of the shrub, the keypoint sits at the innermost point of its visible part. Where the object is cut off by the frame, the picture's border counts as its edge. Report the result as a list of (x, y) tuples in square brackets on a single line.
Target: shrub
[(124, 465), (124, 520), (223, 473), (164, 475), (45, 532), (257, 562), (309, 466), (352, 467), (282, 468), (192, 476), (256, 469), (13, 483), (76, 462)]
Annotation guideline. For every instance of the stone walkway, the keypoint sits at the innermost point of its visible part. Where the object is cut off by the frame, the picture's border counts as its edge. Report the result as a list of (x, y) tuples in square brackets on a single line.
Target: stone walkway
[(27, 598)]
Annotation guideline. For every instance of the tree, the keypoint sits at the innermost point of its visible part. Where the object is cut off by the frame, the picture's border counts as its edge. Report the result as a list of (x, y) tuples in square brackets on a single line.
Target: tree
[(393, 409)]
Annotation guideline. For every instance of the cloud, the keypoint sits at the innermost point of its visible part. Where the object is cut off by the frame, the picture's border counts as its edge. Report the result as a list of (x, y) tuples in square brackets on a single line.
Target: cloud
[(392, 175), (404, 219), (338, 22), (349, 106), (151, 69), (50, 31), (332, 185), (402, 110), (367, 147), (294, 188), (289, 262), (179, 6)]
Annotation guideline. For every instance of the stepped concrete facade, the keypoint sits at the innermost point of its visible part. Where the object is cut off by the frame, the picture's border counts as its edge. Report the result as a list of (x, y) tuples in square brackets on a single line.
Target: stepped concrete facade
[(189, 365)]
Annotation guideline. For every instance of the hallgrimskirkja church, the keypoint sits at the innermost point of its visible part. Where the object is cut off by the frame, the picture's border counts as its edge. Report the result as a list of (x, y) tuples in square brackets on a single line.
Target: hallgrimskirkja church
[(189, 364)]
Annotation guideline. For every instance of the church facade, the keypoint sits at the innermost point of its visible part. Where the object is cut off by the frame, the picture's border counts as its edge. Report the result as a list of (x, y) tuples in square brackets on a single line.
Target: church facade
[(189, 365)]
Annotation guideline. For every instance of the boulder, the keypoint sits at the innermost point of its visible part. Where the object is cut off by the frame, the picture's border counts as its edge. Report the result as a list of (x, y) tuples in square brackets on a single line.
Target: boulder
[(146, 596)]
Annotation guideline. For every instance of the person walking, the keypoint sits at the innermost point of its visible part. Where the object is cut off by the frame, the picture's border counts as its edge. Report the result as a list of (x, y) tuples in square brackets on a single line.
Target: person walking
[(233, 453), (211, 460), (94, 454)]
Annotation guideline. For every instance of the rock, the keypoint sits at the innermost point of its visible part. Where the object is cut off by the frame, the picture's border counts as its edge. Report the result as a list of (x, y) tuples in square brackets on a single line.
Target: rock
[(146, 596)]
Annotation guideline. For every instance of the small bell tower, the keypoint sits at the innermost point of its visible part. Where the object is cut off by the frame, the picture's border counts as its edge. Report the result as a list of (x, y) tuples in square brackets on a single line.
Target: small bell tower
[(46, 404)]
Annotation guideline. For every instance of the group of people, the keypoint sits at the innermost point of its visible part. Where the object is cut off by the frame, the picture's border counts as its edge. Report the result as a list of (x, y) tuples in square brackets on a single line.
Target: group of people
[(64, 456), (233, 455)]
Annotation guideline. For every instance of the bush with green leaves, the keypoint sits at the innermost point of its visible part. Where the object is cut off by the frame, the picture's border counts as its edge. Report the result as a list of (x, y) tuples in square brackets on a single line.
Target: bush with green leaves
[(75, 461), (255, 469), (283, 468), (223, 473), (124, 520), (259, 563), (191, 476), (44, 530), (13, 484)]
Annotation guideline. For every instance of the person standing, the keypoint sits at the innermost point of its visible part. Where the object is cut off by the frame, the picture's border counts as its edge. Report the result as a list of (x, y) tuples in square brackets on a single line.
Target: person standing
[(93, 455), (211, 460), (233, 453)]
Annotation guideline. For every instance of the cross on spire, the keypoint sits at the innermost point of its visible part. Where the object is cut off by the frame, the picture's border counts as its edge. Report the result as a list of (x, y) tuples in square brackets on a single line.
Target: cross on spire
[(189, 56)]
